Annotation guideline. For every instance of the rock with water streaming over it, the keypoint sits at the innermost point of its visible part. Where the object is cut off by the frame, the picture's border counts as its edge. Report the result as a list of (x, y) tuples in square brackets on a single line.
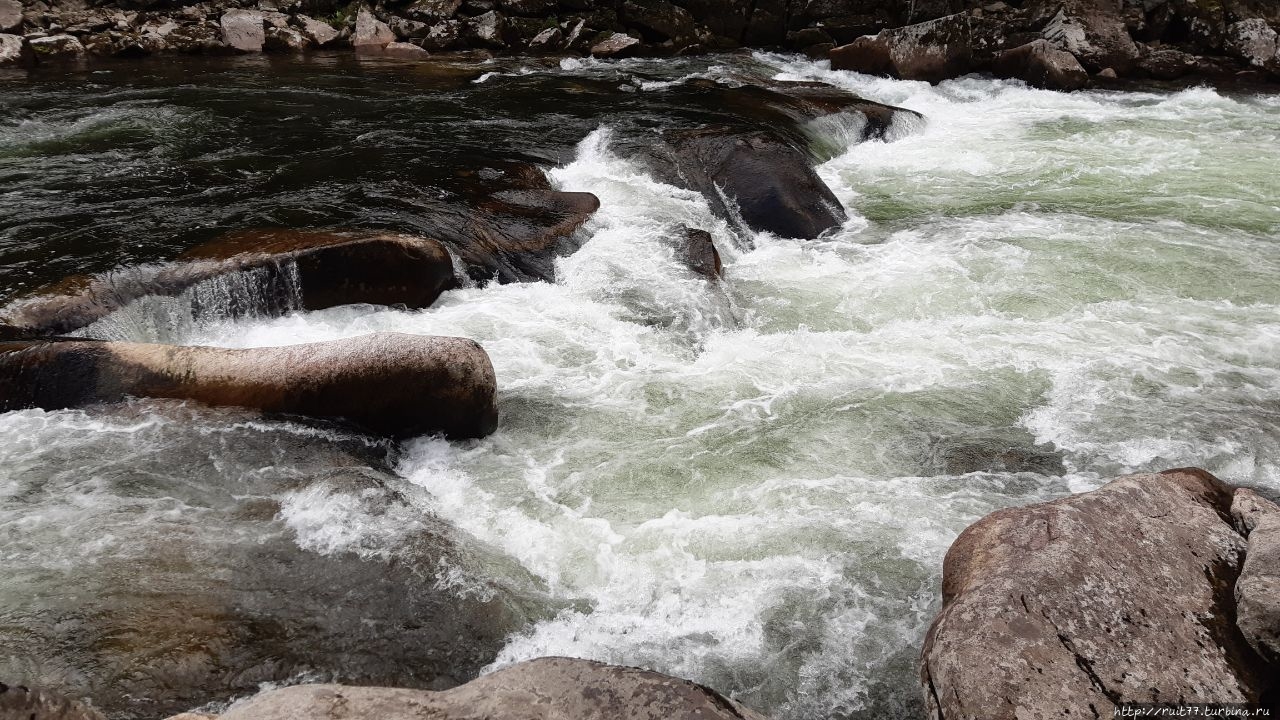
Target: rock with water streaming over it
[(389, 383), (752, 176), (697, 251), (255, 272), (550, 688), (1123, 594)]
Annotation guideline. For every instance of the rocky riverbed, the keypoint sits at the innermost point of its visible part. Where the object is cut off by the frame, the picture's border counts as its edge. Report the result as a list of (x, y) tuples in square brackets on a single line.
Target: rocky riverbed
[(353, 370)]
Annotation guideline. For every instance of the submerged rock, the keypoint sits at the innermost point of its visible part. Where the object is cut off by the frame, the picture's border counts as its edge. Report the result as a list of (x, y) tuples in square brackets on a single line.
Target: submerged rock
[(1123, 594), (332, 269), (1042, 65), (542, 689), (389, 383)]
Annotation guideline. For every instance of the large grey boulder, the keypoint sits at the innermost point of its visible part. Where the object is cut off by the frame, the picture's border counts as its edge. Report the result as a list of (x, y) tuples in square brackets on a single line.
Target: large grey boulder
[(1042, 65), (1258, 589), (10, 16), (1254, 42), (542, 689), (371, 33), (243, 30), (1071, 607), (389, 383), (1094, 32), (14, 51)]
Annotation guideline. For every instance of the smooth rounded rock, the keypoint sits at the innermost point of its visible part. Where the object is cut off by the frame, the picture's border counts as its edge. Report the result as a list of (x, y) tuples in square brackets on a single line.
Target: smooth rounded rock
[(389, 383), (543, 689)]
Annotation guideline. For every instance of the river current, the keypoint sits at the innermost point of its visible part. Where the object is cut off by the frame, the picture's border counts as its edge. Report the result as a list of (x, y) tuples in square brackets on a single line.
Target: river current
[(751, 484)]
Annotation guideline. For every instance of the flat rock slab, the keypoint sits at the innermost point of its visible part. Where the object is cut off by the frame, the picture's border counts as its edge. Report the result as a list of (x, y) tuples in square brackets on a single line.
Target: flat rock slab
[(542, 689), (1123, 594)]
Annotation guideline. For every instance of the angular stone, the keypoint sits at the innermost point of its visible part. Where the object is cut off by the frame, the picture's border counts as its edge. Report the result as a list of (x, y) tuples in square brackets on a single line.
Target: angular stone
[(286, 40), (406, 50), (1094, 33), (57, 46), (243, 30), (10, 16), (617, 45), (659, 17), (1254, 42), (1248, 508), (1167, 64), (1042, 65), (697, 251), (486, 29), (320, 33), (547, 41), (1258, 589), (433, 10), (371, 33), (934, 51), (14, 51)]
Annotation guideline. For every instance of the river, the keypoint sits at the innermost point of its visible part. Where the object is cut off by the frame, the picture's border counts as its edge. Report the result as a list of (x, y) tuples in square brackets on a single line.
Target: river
[(751, 484)]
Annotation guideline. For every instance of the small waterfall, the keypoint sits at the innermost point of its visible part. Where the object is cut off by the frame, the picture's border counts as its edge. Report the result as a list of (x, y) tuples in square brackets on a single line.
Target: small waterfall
[(267, 291)]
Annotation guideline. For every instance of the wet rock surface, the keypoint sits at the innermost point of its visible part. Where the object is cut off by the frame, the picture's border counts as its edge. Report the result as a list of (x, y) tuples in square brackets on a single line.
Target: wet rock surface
[(389, 383), (1123, 594), (542, 689), (185, 591)]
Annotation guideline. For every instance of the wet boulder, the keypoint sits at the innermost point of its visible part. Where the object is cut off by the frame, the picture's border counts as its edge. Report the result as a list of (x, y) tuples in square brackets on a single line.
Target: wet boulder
[(697, 251), (14, 51), (388, 383), (753, 177), (543, 689), (1042, 65), (243, 30), (1123, 594), (331, 269)]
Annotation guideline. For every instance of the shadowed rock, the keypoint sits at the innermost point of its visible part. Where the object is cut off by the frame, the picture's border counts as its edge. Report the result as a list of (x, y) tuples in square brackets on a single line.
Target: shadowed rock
[(697, 251), (752, 176), (1119, 595), (21, 703), (1042, 65), (332, 269), (389, 383), (542, 689), (1258, 589), (934, 51)]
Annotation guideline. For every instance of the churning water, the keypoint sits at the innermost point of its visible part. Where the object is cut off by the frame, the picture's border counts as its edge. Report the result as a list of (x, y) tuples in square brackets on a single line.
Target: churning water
[(752, 484)]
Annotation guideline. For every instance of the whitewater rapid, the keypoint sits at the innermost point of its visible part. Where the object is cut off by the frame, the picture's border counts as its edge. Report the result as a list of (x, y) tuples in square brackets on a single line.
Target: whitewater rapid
[(752, 484)]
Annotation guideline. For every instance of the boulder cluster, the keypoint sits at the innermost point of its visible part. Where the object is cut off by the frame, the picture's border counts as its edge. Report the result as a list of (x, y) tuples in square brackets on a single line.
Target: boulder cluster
[(1060, 44), (1069, 44)]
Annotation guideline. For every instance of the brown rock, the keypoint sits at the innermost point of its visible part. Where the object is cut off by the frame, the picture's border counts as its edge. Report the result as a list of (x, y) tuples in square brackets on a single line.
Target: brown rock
[(697, 251), (243, 30), (57, 46), (392, 384), (1119, 595), (1042, 65), (1095, 33), (542, 689), (1247, 508), (332, 269), (286, 39), (409, 51), (1167, 64)]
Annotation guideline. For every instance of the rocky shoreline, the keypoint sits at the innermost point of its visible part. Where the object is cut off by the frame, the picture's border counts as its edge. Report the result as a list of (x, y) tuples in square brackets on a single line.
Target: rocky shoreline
[(1048, 43)]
